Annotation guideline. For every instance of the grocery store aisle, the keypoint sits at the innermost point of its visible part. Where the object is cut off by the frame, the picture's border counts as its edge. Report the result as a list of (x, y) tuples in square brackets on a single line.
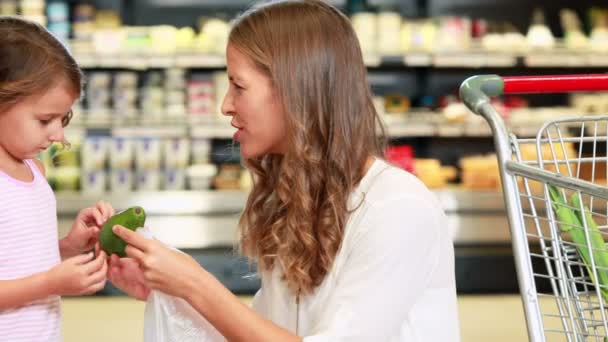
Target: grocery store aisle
[(117, 319)]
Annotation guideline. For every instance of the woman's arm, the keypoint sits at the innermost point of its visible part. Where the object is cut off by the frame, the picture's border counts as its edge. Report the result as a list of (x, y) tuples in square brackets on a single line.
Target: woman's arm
[(178, 274), (235, 320)]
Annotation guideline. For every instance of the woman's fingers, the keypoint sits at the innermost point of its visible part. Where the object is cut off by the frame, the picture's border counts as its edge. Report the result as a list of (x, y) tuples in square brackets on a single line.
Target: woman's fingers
[(132, 238)]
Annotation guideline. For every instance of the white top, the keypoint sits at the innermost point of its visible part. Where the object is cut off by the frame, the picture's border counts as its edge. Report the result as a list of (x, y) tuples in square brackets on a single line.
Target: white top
[(392, 279)]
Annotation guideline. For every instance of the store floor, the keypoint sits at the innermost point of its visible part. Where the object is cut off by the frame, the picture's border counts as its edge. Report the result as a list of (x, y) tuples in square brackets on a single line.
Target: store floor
[(118, 319)]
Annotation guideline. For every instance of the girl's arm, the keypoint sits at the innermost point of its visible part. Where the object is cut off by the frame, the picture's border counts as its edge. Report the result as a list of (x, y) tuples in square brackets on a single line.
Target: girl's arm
[(79, 275), (19, 292)]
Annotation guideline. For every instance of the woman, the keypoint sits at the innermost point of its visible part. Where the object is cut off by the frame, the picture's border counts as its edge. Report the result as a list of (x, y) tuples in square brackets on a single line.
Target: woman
[(348, 247)]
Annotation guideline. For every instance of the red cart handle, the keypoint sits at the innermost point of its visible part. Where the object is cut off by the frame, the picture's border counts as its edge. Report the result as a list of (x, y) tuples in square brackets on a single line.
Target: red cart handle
[(555, 83)]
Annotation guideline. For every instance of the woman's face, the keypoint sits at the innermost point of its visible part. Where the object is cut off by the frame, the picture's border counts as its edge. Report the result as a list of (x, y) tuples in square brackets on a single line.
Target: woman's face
[(254, 105)]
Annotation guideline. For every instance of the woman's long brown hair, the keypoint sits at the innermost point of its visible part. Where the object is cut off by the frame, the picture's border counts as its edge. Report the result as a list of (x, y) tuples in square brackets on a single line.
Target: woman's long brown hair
[(297, 210)]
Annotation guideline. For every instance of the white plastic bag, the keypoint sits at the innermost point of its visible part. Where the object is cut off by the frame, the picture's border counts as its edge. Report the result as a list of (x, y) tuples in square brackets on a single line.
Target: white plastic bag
[(172, 319)]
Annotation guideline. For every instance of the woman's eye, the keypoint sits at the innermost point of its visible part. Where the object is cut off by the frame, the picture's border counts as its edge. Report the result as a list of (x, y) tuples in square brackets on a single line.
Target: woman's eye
[(45, 121)]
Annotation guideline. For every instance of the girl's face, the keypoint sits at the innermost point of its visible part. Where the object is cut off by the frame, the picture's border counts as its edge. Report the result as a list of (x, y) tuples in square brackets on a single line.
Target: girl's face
[(33, 124), (255, 107)]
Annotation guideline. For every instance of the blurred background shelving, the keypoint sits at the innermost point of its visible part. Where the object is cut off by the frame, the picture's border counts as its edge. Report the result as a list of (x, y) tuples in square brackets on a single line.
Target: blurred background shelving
[(149, 131)]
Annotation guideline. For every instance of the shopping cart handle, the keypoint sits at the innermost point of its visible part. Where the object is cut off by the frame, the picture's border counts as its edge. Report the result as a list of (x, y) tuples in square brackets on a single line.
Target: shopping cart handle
[(475, 90), (555, 83)]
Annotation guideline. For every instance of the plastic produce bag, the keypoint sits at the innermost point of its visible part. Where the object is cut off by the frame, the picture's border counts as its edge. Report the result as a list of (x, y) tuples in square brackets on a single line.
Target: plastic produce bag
[(172, 319)]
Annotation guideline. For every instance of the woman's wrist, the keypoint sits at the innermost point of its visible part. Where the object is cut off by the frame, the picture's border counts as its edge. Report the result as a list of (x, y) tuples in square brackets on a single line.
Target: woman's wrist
[(197, 283)]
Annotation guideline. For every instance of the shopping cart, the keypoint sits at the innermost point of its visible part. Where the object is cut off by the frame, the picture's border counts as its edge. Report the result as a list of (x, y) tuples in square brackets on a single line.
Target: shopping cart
[(561, 269)]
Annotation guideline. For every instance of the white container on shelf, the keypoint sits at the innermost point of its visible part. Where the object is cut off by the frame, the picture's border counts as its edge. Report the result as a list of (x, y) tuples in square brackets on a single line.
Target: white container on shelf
[(93, 182), (121, 153), (200, 176), (147, 153), (176, 152), (174, 179), (121, 181), (94, 152), (201, 151), (389, 31), (147, 180)]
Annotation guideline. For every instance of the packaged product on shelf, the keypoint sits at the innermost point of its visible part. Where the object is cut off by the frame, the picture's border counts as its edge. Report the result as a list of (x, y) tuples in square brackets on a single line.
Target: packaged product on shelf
[(432, 173), (215, 31), (401, 156), (201, 96), (121, 153), (121, 181), (396, 104), (454, 34), (174, 179), (598, 40), (419, 35), (228, 177), (93, 182), (539, 35), (201, 150), (574, 38), (200, 176), (147, 153), (94, 152), (176, 153), (66, 178), (108, 42), (389, 29), (163, 39), (8, 7), (480, 172), (184, 39), (365, 25), (147, 180)]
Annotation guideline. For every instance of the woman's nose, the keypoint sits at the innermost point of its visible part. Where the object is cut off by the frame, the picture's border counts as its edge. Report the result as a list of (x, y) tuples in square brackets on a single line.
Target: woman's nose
[(227, 105)]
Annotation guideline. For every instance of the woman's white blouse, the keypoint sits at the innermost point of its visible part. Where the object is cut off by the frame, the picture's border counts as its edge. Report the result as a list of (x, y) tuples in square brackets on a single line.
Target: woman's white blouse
[(392, 279)]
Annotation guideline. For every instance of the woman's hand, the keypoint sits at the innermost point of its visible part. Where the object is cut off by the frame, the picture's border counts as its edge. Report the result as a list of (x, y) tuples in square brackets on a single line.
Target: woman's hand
[(164, 269), (126, 274), (78, 275), (85, 230)]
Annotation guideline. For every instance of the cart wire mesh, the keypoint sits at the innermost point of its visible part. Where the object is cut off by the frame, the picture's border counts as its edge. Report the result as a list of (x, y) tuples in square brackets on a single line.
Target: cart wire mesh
[(554, 186)]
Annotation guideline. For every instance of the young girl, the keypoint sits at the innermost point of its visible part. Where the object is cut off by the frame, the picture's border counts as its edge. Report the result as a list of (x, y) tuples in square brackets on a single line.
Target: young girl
[(39, 82), (349, 248)]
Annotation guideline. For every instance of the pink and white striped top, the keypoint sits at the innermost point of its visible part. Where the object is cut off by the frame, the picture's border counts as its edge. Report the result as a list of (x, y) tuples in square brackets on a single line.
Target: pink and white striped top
[(28, 245)]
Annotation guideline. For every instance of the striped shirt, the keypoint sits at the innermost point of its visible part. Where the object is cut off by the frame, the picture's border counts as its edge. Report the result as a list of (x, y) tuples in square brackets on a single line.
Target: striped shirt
[(28, 245)]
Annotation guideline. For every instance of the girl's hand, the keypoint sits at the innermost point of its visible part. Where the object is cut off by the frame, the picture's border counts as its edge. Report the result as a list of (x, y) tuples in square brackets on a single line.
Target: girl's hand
[(126, 274), (85, 230), (79, 275), (164, 269)]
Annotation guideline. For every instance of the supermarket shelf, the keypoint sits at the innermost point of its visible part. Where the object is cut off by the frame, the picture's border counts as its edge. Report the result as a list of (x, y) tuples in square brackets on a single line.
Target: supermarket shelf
[(159, 202), (216, 129), (204, 219), (230, 202), (457, 59)]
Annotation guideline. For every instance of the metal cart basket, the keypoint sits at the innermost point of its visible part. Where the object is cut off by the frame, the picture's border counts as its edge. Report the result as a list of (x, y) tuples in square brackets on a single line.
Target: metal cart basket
[(556, 197)]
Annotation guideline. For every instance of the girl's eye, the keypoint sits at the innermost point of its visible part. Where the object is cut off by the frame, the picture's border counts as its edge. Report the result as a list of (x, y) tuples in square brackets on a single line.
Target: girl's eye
[(45, 121)]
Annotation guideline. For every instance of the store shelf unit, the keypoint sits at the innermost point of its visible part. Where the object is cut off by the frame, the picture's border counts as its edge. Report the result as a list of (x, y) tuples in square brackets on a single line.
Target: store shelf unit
[(558, 58)]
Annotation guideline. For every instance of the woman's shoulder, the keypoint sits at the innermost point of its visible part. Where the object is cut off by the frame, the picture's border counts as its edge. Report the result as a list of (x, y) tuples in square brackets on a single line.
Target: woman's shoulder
[(390, 183)]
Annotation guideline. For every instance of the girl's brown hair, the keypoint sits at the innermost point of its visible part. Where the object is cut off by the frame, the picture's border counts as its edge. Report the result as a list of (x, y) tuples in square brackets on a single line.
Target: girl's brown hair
[(297, 210), (31, 59)]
